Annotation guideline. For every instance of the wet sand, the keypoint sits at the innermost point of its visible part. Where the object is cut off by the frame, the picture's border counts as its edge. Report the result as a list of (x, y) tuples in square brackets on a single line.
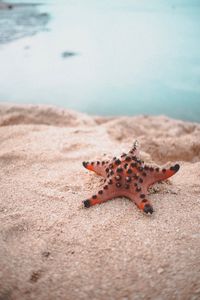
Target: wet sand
[(53, 248)]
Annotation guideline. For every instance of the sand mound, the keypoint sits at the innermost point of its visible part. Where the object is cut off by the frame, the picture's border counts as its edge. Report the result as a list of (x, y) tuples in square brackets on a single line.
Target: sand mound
[(52, 248), (41, 114), (163, 138)]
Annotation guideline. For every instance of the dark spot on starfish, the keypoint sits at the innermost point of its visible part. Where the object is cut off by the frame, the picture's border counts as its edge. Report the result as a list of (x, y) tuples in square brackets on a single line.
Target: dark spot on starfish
[(157, 169), (119, 170), (148, 209), (127, 186), (144, 174), (118, 177), (140, 180), (105, 187), (98, 162), (151, 169), (128, 158), (94, 197), (86, 203), (133, 165), (144, 200), (123, 154), (118, 184), (142, 196), (107, 170), (134, 158), (110, 165), (114, 158), (100, 192), (128, 179), (118, 162), (125, 166), (175, 168), (110, 182), (129, 171), (103, 162), (146, 167), (85, 163), (138, 189), (92, 163), (111, 172), (135, 184), (164, 170)]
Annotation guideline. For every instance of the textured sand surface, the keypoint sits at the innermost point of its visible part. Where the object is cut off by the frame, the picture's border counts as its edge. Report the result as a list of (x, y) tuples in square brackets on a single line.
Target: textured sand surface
[(51, 248)]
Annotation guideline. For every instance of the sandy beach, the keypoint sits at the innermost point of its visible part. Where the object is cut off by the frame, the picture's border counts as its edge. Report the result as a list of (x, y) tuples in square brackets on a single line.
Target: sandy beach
[(52, 248)]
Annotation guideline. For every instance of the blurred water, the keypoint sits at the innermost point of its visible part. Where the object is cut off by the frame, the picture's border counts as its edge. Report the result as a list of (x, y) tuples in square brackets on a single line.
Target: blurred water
[(129, 57)]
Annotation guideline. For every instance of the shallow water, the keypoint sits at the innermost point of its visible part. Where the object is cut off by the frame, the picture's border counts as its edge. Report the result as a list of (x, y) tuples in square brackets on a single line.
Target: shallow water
[(109, 57)]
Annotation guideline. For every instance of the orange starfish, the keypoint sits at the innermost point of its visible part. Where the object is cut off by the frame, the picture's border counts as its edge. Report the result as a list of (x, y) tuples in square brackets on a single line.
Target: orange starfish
[(127, 177)]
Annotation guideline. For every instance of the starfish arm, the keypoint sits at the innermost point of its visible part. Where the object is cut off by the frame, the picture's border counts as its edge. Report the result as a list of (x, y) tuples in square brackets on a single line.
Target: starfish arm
[(156, 174), (136, 192), (103, 195), (134, 150), (143, 204), (99, 167)]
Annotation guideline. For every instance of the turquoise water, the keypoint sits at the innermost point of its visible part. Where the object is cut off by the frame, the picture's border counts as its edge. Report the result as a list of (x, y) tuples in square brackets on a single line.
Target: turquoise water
[(130, 57)]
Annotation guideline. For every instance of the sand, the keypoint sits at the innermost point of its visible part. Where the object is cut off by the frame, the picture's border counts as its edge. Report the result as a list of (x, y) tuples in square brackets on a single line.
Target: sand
[(52, 248)]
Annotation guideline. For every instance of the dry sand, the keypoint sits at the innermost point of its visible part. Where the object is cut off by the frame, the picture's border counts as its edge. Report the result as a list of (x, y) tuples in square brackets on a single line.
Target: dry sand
[(51, 248)]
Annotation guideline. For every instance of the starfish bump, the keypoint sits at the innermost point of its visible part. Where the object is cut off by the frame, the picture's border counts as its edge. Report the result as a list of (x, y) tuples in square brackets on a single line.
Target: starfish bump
[(128, 177)]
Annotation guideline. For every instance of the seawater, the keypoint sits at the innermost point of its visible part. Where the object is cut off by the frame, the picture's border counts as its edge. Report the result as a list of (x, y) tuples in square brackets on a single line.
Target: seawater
[(109, 57)]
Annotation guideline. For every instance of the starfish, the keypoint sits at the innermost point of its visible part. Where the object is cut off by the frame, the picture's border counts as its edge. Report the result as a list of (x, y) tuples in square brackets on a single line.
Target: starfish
[(128, 177)]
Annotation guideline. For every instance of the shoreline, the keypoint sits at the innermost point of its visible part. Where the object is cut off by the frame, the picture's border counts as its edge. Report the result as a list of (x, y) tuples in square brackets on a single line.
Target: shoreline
[(10, 5), (19, 20), (5, 5)]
